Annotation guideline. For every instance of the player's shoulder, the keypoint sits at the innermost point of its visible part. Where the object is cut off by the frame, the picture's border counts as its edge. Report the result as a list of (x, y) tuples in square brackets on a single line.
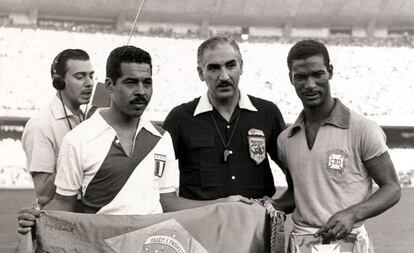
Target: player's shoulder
[(42, 119), (361, 122), (158, 127), (285, 133), (86, 130)]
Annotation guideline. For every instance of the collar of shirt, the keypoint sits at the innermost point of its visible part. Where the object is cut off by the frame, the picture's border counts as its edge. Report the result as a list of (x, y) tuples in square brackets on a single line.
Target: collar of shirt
[(100, 124), (339, 117), (57, 109), (204, 104)]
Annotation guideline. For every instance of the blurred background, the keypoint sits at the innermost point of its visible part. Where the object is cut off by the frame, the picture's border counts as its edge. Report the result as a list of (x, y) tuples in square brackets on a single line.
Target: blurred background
[(371, 45)]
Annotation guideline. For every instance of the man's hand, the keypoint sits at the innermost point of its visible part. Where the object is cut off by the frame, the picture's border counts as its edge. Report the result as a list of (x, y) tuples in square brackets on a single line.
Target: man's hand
[(237, 198), (27, 219), (338, 226)]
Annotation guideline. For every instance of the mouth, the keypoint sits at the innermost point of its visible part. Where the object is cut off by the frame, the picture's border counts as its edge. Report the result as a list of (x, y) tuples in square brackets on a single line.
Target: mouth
[(86, 93), (224, 85), (140, 103), (311, 95)]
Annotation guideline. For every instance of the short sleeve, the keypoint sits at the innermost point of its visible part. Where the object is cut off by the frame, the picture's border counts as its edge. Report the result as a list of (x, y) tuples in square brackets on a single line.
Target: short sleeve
[(170, 179), (278, 125), (373, 141), (69, 173), (281, 155), (38, 147)]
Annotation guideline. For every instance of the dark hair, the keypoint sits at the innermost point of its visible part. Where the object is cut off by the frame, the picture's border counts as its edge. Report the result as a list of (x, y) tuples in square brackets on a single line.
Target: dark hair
[(305, 49), (212, 43), (59, 64), (128, 54)]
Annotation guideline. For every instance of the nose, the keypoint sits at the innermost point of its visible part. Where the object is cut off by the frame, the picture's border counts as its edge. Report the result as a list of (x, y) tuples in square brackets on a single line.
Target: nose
[(89, 81), (310, 83), (139, 89), (224, 76)]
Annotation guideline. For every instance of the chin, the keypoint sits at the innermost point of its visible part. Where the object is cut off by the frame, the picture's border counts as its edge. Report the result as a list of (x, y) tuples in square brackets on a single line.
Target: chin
[(136, 114), (225, 95), (84, 101), (311, 104)]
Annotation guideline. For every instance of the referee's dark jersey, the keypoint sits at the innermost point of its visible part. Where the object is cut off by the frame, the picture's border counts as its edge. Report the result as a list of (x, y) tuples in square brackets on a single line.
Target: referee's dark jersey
[(204, 173)]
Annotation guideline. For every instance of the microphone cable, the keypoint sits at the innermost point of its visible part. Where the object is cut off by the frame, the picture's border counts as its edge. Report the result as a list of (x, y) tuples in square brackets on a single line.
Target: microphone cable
[(64, 109)]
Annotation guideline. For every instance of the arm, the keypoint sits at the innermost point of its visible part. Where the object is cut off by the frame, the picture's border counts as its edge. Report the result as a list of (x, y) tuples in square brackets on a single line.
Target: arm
[(62, 203), (38, 146), (171, 202), (286, 201), (278, 125), (27, 216), (67, 181), (44, 186), (381, 169)]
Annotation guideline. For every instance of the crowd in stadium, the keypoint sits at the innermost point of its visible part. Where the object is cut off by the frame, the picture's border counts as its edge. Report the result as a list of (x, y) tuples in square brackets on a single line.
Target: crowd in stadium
[(371, 76), (357, 81)]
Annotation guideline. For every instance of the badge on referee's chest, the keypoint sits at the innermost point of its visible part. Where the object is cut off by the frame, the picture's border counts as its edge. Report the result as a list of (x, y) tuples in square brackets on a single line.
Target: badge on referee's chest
[(257, 145), (160, 161)]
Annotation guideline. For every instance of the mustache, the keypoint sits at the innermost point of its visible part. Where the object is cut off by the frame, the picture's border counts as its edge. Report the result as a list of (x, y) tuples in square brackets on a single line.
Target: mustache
[(225, 83), (139, 100)]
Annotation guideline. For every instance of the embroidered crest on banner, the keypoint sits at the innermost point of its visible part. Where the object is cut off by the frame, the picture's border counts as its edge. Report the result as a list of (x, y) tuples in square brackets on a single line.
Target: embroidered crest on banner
[(160, 161), (336, 162), (257, 145), (167, 241)]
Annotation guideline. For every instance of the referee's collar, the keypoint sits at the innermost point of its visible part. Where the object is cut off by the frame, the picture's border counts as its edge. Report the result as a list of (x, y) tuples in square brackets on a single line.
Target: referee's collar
[(204, 104)]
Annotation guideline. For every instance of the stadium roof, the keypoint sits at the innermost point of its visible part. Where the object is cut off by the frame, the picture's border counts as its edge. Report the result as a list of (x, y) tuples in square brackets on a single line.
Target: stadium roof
[(279, 13)]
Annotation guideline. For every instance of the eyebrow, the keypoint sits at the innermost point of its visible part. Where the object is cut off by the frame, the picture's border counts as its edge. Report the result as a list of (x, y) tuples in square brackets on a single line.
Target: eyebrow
[(137, 79), (218, 65), (84, 73)]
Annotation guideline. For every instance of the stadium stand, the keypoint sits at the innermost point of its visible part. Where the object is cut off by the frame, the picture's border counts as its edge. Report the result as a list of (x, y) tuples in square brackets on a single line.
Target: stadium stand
[(373, 79), (372, 48)]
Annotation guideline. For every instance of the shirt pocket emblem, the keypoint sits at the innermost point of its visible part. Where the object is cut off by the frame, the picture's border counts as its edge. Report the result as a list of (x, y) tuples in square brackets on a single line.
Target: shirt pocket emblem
[(160, 161), (336, 163), (257, 145)]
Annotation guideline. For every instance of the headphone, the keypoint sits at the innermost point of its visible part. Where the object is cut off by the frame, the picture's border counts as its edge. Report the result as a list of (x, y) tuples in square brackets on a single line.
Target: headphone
[(57, 81), (59, 84)]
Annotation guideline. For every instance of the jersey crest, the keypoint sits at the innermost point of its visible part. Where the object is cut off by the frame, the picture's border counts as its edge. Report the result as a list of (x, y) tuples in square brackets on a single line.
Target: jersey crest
[(160, 161)]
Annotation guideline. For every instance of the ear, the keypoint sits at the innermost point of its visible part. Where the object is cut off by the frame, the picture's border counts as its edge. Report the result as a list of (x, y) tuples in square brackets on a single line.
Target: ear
[(109, 84), (290, 77), (200, 73), (330, 71), (241, 67)]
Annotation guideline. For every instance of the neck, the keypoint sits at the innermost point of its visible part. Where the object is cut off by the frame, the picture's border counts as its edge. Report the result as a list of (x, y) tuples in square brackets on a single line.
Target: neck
[(225, 106), (319, 113), (118, 119), (73, 107)]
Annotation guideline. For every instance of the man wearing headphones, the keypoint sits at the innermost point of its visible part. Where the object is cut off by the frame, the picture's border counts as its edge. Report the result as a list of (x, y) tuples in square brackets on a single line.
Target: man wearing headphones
[(72, 75)]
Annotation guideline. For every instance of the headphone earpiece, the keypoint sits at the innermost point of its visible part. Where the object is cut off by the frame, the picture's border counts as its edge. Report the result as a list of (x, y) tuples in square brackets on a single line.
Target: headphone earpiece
[(58, 82)]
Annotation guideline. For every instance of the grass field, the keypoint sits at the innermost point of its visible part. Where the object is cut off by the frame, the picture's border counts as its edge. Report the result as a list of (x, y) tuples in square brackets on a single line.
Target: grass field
[(392, 232)]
